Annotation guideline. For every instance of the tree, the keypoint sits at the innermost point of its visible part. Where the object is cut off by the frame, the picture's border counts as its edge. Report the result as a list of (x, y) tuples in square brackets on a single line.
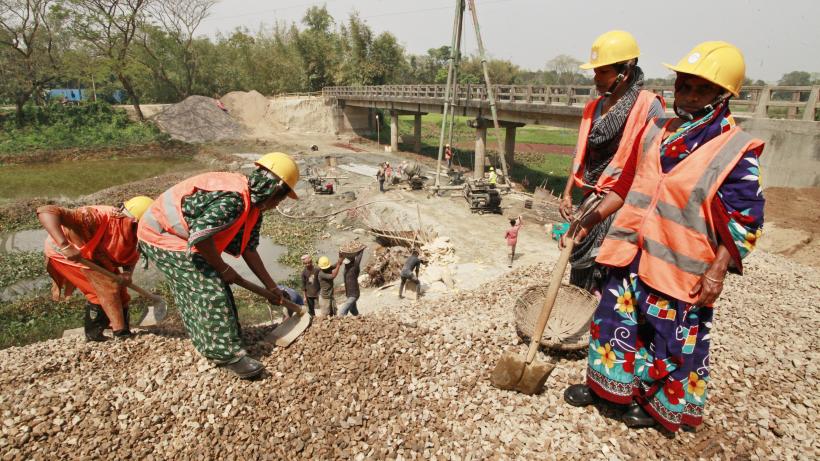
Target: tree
[(795, 78), (566, 69), (167, 49), (317, 47), (29, 52), (110, 27)]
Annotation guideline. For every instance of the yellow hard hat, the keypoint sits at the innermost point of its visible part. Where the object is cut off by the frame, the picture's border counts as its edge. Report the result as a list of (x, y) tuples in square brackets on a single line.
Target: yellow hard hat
[(283, 166), (612, 47), (137, 206), (323, 263), (718, 62)]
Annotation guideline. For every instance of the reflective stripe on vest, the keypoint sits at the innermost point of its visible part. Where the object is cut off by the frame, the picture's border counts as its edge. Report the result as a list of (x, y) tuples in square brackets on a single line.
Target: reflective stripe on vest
[(632, 127), (668, 215)]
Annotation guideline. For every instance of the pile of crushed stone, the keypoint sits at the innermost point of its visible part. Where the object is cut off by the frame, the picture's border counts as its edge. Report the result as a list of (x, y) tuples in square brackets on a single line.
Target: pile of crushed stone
[(198, 119), (413, 382)]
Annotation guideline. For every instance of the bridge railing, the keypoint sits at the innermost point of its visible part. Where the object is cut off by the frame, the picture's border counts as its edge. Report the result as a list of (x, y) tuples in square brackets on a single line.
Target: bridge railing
[(790, 102)]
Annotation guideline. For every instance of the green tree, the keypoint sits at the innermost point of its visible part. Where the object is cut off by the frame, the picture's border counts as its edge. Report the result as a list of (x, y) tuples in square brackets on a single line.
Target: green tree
[(29, 49), (795, 78), (566, 70), (317, 46), (110, 27)]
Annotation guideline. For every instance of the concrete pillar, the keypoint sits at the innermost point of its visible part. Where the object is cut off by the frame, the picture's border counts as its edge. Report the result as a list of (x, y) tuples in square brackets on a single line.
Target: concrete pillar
[(480, 150), (417, 133), (509, 146), (394, 131)]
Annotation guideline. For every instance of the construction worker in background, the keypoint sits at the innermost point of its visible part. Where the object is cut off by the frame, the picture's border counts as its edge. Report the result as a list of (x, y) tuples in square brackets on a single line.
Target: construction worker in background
[(310, 284), (352, 265), (106, 236), (380, 176), (493, 177), (327, 274), (448, 156), (609, 127), (185, 232), (691, 208), (512, 237), (410, 271)]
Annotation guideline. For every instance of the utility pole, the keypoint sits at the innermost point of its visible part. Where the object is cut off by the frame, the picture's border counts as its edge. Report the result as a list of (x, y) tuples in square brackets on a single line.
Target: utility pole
[(457, 20)]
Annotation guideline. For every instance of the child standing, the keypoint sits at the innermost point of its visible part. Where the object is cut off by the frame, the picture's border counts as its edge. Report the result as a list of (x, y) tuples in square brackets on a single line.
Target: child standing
[(512, 237)]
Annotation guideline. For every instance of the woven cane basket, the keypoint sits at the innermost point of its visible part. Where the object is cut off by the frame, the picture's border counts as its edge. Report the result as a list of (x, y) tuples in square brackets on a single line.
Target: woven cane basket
[(568, 326)]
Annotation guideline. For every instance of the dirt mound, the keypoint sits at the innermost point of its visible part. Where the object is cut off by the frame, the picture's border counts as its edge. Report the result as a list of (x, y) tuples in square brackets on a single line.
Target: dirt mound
[(304, 114), (251, 109), (198, 119)]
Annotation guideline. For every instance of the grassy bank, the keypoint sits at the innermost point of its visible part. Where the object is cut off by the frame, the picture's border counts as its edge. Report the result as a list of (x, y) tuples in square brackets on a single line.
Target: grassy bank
[(91, 125)]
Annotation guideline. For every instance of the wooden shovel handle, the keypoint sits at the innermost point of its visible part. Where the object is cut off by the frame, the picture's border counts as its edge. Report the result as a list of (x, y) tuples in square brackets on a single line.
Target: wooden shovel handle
[(263, 292), (97, 268), (549, 301)]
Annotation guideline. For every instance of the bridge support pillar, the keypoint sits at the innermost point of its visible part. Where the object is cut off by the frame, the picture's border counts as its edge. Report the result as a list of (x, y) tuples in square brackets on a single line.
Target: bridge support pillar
[(394, 131), (417, 133), (509, 145), (480, 150)]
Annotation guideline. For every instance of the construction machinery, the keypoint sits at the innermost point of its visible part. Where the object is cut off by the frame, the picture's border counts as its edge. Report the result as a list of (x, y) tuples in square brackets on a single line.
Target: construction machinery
[(482, 196), (320, 185)]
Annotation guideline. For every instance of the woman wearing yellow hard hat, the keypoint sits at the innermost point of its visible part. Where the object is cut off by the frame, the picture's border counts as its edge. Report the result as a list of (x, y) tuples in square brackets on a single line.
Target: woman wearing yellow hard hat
[(187, 229), (690, 208), (102, 234), (609, 126)]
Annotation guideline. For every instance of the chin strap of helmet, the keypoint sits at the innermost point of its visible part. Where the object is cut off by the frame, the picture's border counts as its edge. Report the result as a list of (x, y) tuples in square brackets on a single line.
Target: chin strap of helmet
[(689, 116), (623, 68)]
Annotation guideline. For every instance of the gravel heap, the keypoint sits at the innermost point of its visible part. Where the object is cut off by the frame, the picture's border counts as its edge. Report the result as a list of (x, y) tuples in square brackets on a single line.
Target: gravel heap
[(412, 382), (198, 119)]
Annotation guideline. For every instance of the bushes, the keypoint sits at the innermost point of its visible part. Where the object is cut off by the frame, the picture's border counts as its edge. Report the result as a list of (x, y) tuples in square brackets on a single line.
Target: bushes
[(56, 126)]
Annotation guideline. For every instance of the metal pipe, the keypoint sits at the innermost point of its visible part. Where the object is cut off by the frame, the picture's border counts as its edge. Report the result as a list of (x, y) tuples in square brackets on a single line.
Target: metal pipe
[(458, 15), (490, 94)]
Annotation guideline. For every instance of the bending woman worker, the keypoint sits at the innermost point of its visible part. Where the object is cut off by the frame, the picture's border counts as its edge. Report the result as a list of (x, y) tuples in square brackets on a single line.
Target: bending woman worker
[(610, 124), (187, 229), (691, 208), (101, 234)]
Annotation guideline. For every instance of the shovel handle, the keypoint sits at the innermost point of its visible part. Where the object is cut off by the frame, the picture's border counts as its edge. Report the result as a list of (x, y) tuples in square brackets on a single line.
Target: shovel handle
[(254, 288), (97, 268), (549, 301)]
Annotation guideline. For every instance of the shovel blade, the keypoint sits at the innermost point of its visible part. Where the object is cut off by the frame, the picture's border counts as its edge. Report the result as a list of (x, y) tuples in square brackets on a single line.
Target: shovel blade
[(289, 330), (535, 375), (153, 314), (512, 373), (508, 371)]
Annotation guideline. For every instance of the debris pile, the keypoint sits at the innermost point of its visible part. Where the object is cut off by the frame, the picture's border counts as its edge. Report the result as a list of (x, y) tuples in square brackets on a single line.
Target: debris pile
[(251, 110), (385, 265), (198, 119)]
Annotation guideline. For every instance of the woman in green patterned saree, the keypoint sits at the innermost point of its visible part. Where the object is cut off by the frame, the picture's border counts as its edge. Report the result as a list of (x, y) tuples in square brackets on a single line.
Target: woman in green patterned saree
[(186, 230)]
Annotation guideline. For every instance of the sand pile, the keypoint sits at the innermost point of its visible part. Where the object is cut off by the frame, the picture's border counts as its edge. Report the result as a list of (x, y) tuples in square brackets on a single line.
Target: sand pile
[(198, 119), (304, 114), (251, 109)]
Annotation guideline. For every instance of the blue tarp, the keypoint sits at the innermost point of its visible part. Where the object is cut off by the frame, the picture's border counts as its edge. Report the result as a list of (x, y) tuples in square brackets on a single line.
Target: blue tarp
[(68, 94)]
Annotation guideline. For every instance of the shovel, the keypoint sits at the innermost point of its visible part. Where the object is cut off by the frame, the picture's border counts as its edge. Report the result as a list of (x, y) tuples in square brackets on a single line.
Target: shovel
[(153, 314), (292, 327), (523, 373)]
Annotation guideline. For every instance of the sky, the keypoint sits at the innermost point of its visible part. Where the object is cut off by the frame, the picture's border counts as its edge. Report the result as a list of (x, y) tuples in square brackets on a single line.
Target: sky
[(775, 36)]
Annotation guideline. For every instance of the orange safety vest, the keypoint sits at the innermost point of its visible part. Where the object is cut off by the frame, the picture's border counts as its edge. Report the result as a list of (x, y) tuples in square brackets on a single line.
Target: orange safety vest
[(113, 238), (669, 215), (164, 226), (632, 128)]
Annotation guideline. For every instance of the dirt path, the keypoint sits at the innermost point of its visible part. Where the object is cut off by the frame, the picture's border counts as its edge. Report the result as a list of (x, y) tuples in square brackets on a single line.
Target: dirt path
[(793, 224)]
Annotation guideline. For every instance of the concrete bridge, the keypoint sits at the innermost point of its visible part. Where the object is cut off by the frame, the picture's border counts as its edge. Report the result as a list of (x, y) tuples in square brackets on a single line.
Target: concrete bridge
[(783, 116)]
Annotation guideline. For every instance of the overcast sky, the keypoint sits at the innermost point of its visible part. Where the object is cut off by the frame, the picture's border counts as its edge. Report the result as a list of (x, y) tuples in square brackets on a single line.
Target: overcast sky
[(775, 36)]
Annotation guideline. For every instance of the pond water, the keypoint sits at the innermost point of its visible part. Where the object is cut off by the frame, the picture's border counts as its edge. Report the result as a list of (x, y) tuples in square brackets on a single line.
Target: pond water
[(71, 179)]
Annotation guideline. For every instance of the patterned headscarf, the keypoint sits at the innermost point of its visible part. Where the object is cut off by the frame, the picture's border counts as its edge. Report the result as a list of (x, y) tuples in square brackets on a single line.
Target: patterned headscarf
[(694, 133), (261, 183)]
